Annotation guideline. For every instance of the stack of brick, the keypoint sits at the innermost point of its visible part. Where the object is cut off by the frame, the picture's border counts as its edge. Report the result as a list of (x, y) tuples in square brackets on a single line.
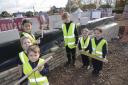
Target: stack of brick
[(125, 13), (110, 31), (106, 12), (9, 77), (123, 31), (124, 35), (58, 58)]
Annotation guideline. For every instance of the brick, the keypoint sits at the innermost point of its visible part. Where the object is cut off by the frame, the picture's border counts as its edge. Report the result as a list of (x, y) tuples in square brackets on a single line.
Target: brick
[(4, 74), (11, 76), (5, 83), (1, 80)]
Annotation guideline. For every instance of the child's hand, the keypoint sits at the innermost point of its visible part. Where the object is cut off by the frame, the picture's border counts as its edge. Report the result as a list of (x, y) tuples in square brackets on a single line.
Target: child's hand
[(105, 60), (40, 68)]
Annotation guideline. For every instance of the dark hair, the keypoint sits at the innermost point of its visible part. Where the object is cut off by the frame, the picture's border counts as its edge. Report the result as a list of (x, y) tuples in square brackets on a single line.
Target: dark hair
[(33, 48), (98, 29), (84, 29), (26, 21)]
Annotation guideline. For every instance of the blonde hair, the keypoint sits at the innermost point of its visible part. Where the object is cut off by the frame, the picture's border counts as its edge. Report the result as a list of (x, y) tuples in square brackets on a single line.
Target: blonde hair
[(85, 29), (33, 48), (65, 15), (23, 38)]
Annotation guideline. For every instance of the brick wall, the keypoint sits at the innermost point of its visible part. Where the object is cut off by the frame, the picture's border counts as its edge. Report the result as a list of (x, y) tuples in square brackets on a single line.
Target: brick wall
[(10, 76), (59, 57)]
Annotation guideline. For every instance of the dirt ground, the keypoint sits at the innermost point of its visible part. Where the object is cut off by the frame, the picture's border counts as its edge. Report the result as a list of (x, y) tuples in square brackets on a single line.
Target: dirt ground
[(115, 72)]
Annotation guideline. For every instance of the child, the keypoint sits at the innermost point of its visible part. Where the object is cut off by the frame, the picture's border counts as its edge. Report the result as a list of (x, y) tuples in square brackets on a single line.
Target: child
[(26, 30), (84, 45), (70, 38), (37, 77), (23, 58), (25, 43), (99, 48)]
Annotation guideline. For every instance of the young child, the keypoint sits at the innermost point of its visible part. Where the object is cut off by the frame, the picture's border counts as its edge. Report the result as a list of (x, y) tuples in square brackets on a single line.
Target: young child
[(84, 44), (70, 38), (37, 77), (99, 48), (25, 43), (26, 30), (23, 58)]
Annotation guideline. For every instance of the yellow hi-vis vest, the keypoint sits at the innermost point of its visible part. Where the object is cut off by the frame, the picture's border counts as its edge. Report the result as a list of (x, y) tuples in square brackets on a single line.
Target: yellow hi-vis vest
[(35, 78), (83, 44), (23, 57), (31, 37), (69, 36), (97, 49)]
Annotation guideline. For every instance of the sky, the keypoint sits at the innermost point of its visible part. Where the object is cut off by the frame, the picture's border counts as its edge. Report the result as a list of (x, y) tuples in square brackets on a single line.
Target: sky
[(12, 6)]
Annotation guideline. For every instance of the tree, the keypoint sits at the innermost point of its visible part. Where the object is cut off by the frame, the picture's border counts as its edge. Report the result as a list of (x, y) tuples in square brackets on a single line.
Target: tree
[(105, 6), (5, 14), (126, 1), (29, 14), (72, 5), (119, 7), (88, 6), (109, 2)]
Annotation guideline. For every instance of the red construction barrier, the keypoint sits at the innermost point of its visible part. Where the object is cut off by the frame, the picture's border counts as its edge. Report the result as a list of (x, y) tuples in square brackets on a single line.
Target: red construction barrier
[(15, 23), (9, 24)]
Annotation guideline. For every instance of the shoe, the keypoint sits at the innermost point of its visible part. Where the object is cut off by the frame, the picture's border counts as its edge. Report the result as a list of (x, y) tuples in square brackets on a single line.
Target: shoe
[(73, 64), (88, 67), (82, 66), (95, 73), (66, 64)]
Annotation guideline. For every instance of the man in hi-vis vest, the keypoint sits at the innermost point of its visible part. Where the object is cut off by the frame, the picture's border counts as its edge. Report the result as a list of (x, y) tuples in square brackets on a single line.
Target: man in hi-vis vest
[(99, 48), (70, 38)]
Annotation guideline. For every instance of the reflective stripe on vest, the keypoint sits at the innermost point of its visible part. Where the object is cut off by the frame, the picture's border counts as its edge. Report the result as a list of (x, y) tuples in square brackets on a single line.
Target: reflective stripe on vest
[(23, 57), (97, 49), (35, 78), (38, 79), (69, 36), (31, 37), (84, 44)]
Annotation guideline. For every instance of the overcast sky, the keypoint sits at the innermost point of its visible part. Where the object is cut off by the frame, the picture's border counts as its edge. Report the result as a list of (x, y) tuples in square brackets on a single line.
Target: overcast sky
[(26, 5)]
